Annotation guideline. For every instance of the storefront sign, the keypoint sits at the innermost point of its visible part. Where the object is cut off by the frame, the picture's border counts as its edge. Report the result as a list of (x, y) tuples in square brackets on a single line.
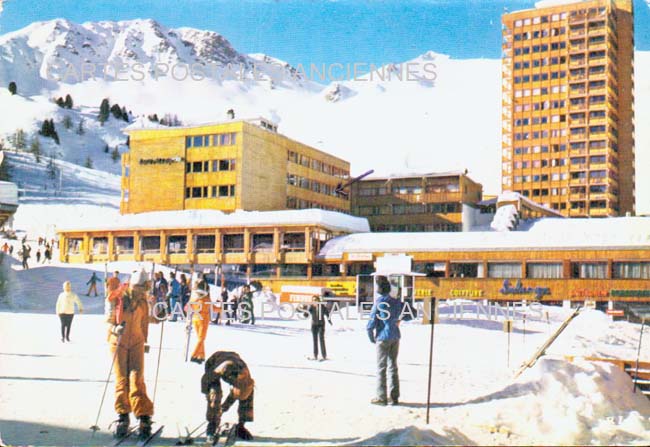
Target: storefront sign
[(630, 293), (466, 293), (342, 288), (520, 289), (161, 161), (587, 293), (423, 293)]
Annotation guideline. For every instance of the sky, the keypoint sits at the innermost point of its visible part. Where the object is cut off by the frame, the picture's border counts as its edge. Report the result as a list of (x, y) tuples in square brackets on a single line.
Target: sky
[(320, 32)]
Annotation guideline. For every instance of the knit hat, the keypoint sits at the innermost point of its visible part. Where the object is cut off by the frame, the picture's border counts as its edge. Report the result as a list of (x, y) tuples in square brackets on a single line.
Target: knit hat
[(138, 278)]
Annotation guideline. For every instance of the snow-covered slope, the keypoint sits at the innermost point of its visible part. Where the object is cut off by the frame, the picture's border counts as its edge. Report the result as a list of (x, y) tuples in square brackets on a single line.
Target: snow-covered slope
[(392, 126)]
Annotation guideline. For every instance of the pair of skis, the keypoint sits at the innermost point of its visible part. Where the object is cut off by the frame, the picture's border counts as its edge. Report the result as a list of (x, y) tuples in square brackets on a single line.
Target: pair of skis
[(141, 442), (227, 429)]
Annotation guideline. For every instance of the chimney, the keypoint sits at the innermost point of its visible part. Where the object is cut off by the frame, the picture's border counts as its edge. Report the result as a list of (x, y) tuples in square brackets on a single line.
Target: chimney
[(231, 114)]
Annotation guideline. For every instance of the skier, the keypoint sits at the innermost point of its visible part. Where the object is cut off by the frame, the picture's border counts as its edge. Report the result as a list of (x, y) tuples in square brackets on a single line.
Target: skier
[(199, 307), (94, 279), (38, 255), (319, 313), (113, 283), (47, 254), (127, 315), (11, 250), (65, 304), (160, 288), (185, 291), (5, 248), (246, 305), (234, 371), (174, 294), (25, 253), (383, 330)]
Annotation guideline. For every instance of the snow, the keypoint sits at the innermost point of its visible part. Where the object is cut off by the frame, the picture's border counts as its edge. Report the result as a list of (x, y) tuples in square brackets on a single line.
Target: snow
[(354, 120), (299, 402), (213, 218), (545, 233)]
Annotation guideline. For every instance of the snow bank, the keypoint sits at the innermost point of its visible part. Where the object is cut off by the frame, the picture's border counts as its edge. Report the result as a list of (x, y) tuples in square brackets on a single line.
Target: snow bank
[(566, 404)]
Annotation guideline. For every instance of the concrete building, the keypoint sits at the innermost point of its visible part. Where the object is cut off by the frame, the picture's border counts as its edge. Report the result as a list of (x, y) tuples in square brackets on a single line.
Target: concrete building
[(238, 164), (568, 106)]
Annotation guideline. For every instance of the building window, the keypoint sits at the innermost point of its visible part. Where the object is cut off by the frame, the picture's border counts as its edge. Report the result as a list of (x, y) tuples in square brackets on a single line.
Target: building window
[(504, 270), (223, 191), (263, 270), (544, 270), (262, 242), (466, 270), (431, 269), (589, 270), (100, 245), (123, 245), (293, 241), (75, 246), (177, 244), (197, 141), (150, 244), (233, 243), (293, 270), (204, 243), (631, 270), (325, 270)]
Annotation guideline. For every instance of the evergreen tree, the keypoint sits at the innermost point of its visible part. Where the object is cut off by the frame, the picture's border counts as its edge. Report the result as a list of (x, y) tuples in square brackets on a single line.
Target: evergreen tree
[(67, 122), (106, 148), (13, 89), (89, 162), (45, 129), (125, 115), (18, 140), (116, 111), (68, 101), (35, 148), (104, 110), (115, 155), (80, 127), (53, 132), (60, 102)]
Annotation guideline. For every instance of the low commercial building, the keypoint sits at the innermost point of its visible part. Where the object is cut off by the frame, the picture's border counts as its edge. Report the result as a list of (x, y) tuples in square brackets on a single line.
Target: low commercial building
[(233, 165)]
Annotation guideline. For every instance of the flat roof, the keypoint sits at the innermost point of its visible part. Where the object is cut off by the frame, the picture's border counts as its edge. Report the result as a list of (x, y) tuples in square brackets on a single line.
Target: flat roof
[(416, 175), (545, 233), (185, 219)]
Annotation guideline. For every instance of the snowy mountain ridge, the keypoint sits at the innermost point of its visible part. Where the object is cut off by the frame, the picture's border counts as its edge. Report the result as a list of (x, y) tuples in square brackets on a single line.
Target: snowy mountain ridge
[(376, 121)]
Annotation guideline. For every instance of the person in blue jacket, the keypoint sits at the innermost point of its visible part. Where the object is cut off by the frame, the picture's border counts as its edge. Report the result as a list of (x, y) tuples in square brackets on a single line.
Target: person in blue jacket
[(383, 331), (174, 295)]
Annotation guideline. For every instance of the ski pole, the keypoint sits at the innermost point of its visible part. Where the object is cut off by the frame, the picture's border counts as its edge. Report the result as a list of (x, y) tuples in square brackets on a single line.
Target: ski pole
[(432, 321), (155, 384), (95, 427)]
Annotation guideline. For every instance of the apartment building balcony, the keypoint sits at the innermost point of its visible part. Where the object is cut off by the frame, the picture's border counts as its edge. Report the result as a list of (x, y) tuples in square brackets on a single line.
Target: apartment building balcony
[(577, 167), (600, 212), (598, 46), (578, 212), (576, 63), (578, 181), (578, 137), (578, 196)]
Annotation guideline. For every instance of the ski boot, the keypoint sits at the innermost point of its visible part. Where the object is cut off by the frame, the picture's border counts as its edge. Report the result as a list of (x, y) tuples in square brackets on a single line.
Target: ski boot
[(211, 433), (144, 430), (121, 426), (243, 433)]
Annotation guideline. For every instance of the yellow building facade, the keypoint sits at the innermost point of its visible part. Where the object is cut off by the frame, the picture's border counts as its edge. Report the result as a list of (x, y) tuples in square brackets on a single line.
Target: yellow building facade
[(568, 107), (243, 164), (427, 202)]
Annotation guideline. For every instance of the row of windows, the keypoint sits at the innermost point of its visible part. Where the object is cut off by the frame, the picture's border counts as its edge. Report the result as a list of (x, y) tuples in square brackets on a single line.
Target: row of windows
[(543, 119), (312, 185), (210, 166), (540, 149), (539, 33), (417, 208), (540, 163), (221, 139), (207, 192), (540, 19), (440, 188), (540, 48), (542, 62), (316, 165), (594, 144), (551, 270), (540, 77), (294, 203), (541, 178), (554, 133)]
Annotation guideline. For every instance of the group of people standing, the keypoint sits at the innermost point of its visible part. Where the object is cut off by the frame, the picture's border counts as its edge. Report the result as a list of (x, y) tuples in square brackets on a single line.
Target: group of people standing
[(25, 252)]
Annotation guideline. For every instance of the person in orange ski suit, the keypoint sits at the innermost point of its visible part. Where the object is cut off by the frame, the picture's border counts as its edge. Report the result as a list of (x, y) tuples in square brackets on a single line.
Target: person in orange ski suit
[(199, 308), (128, 317)]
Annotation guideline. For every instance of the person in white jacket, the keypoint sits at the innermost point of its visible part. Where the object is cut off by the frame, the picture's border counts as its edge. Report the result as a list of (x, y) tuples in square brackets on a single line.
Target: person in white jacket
[(65, 309)]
